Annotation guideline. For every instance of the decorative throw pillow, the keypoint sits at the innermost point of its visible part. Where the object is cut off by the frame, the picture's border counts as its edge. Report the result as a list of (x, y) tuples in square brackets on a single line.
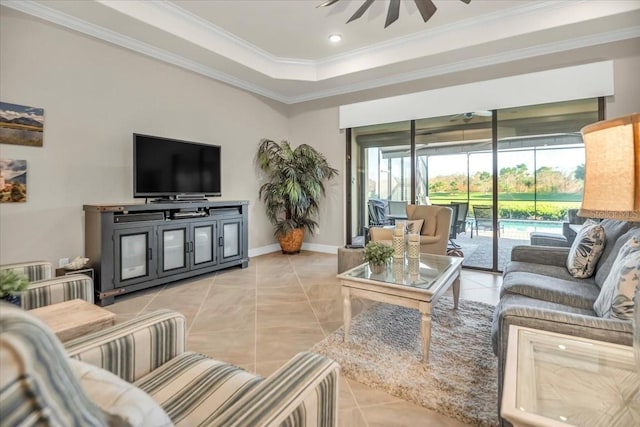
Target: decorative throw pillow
[(586, 250), (118, 397), (616, 297), (414, 225)]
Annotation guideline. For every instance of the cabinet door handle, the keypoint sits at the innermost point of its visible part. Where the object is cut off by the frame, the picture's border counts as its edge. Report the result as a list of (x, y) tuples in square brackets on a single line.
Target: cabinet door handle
[(191, 246), (220, 242), (150, 253)]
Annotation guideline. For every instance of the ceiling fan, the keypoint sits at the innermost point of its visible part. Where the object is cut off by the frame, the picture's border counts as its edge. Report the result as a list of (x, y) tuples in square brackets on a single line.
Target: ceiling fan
[(470, 115), (426, 8)]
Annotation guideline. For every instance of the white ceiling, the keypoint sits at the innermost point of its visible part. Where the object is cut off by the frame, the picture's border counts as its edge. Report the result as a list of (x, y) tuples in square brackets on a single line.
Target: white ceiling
[(279, 49)]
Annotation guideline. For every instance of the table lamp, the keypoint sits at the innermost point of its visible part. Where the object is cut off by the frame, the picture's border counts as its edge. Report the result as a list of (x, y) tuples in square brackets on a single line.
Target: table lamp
[(612, 169)]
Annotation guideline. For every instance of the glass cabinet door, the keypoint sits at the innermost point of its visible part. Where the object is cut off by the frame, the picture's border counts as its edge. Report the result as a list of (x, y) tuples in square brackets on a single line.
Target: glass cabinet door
[(134, 257), (203, 245), (174, 249), (230, 239)]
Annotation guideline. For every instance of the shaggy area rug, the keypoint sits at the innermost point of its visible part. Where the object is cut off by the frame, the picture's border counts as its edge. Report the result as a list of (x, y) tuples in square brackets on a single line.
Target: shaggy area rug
[(385, 352)]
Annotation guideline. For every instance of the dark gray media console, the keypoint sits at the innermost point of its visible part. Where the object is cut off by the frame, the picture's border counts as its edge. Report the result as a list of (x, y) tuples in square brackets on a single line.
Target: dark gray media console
[(137, 246)]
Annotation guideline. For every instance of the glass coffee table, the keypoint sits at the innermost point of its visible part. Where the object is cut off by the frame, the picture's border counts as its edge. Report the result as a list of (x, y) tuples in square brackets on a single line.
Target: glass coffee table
[(412, 283), (552, 379)]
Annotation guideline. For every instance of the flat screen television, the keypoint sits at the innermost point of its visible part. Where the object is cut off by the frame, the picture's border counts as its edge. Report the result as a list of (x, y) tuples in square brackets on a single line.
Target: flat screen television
[(174, 169)]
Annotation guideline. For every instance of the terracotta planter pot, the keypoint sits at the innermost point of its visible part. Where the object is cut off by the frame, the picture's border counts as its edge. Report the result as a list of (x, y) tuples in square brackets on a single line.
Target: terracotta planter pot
[(291, 242)]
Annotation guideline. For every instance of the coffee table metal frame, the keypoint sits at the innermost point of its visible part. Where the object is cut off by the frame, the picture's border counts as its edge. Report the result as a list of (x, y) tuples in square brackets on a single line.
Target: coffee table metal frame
[(403, 287)]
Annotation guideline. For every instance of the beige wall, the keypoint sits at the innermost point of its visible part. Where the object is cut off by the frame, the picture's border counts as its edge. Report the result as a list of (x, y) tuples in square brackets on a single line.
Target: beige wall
[(319, 128), (95, 95), (626, 87)]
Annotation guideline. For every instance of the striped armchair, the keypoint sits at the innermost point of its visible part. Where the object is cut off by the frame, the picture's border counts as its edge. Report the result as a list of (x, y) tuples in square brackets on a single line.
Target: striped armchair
[(148, 353), (45, 290)]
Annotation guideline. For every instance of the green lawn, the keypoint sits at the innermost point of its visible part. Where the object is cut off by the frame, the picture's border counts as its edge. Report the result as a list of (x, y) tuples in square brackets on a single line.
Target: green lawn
[(549, 206)]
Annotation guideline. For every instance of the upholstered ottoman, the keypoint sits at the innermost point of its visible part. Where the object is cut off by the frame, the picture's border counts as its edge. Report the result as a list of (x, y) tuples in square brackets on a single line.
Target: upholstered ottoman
[(349, 258)]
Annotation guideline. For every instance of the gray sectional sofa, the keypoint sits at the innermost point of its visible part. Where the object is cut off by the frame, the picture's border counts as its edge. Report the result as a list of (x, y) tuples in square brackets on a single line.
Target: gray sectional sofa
[(538, 292)]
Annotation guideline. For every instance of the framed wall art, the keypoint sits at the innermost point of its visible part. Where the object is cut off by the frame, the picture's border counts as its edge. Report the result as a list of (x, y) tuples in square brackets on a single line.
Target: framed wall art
[(21, 125), (13, 181)]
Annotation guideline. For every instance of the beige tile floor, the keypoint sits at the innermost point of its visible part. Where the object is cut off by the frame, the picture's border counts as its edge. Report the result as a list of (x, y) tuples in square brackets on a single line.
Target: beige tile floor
[(259, 317)]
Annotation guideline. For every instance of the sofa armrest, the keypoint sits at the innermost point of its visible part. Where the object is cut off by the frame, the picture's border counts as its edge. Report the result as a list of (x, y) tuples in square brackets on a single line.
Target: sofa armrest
[(134, 348), (302, 392), (60, 289), (379, 233), (596, 328), (549, 255), (34, 270)]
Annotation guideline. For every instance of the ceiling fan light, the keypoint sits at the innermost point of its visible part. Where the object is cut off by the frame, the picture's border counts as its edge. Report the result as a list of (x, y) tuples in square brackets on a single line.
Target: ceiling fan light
[(335, 38)]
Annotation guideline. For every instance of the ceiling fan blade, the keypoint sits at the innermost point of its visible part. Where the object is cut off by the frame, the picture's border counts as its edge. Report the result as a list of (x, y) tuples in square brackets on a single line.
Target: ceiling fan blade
[(392, 13), (466, 1), (361, 10), (327, 3), (426, 8)]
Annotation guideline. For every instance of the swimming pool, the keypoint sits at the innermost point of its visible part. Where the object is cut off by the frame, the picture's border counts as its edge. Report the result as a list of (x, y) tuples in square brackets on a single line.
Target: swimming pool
[(529, 226)]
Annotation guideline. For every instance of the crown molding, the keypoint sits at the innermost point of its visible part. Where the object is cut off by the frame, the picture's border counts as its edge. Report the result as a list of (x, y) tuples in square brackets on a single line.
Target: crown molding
[(49, 14), (470, 64), (73, 23)]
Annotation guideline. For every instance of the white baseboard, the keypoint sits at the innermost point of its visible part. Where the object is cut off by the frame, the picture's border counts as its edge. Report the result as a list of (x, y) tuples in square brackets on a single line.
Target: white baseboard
[(264, 250), (314, 247)]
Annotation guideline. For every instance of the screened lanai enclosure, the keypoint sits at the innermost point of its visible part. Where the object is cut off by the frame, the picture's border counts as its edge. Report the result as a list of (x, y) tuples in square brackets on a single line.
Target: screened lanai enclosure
[(524, 166)]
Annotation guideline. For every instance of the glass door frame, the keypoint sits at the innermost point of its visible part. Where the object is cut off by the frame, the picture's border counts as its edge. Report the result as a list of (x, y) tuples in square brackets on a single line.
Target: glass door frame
[(495, 181)]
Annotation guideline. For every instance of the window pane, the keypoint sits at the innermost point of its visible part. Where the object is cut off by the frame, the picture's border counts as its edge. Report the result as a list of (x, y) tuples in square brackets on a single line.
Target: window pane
[(381, 171)]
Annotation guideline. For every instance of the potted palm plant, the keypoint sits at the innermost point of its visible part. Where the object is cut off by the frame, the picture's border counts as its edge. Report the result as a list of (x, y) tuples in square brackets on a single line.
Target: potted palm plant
[(293, 188)]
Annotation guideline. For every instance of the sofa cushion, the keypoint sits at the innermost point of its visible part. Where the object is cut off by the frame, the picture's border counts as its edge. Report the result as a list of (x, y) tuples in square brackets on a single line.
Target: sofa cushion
[(572, 293), (194, 389), (611, 252), (116, 396), (586, 250), (414, 225), (553, 271), (616, 297)]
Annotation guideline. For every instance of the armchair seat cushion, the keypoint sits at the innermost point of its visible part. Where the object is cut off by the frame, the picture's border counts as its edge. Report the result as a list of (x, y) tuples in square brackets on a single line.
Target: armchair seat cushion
[(194, 389)]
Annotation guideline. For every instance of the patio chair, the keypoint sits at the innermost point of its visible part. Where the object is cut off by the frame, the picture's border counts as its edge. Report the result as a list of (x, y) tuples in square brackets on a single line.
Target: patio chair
[(555, 239), (461, 218), (483, 219), (379, 213)]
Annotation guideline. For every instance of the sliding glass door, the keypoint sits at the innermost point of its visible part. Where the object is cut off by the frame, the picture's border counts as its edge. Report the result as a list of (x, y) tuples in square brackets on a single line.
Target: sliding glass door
[(511, 172), (380, 176), (541, 169)]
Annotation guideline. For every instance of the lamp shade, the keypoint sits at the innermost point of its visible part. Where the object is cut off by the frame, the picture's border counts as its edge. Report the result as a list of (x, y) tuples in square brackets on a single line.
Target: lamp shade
[(612, 169)]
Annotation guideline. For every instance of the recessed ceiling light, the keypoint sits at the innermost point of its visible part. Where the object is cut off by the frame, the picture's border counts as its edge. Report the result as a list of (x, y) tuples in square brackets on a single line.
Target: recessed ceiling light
[(335, 38)]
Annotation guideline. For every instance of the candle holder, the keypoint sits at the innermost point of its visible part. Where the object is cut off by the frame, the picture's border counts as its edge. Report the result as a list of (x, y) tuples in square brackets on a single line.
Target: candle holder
[(413, 246), (398, 241), (414, 269), (398, 270)]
